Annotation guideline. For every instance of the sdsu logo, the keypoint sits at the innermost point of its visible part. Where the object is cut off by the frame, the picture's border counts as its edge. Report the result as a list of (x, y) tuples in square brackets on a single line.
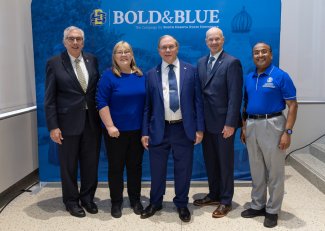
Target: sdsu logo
[(269, 83), (98, 17)]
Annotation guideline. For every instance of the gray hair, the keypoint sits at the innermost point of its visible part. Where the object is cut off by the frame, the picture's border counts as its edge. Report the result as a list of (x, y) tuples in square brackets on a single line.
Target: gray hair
[(70, 28), (164, 36)]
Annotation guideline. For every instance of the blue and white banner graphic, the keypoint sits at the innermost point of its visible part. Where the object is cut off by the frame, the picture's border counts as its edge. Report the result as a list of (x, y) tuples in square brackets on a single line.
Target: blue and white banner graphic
[(141, 23)]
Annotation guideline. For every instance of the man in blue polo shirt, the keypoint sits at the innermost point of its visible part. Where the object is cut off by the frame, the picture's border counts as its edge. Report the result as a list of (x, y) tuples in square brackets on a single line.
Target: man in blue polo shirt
[(266, 132)]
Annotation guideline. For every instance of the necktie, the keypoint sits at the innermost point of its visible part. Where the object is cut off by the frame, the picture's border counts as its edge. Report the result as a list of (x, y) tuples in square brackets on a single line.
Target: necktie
[(81, 76), (173, 90), (211, 59)]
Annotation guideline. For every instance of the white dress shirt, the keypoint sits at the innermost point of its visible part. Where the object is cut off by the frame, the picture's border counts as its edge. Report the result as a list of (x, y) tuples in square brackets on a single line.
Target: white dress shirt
[(169, 114), (82, 65), (216, 56)]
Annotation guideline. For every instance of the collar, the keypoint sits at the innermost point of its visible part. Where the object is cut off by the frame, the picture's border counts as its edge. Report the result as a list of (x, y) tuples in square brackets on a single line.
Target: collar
[(73, 58), (267, 71), (164, 64), (216, 56)]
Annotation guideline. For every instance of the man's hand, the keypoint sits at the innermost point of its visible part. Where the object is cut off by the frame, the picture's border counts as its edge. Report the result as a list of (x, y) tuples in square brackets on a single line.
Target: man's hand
[(56, 135), (285, 141), (243, 135), (198, 137), (228, 131), (145, 141)]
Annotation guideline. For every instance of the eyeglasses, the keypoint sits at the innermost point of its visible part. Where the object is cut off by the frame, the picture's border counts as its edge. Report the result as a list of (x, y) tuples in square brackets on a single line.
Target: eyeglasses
[(263, 52), (126, 52), (71, 39), (164, 48)]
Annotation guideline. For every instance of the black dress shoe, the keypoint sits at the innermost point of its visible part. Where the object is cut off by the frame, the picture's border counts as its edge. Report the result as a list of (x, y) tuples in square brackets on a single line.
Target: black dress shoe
[(75, 210), (150, 211), (184, 214), (116, 210), (90, 207), (137, 207), (205, 201), (271, 220), (250, 213)]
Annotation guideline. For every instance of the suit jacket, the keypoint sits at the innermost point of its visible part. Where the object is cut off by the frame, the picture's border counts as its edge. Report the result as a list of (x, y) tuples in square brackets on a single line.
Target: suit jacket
[(222, 92), (64, 98), (190, 102)]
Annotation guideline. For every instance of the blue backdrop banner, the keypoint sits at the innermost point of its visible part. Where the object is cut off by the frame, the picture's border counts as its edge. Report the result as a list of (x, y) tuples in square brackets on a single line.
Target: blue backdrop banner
[(141, 23)]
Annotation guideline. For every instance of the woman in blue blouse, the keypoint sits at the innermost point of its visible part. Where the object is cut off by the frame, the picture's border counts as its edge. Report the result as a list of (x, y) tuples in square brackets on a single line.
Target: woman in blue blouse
[(120, 101)]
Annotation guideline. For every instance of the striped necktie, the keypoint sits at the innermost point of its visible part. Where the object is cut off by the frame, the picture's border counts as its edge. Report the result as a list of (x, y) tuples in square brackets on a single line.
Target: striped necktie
[(81, 76), (211, 59)]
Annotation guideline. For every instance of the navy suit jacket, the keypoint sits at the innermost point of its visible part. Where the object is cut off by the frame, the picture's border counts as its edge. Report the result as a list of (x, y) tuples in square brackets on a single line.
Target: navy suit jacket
[(190, 102), (65, 100), (222, 92)]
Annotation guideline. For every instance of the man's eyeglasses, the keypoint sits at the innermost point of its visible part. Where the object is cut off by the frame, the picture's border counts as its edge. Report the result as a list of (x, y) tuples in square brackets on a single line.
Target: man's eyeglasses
[(126, 52), (164, 48), (71, 39)]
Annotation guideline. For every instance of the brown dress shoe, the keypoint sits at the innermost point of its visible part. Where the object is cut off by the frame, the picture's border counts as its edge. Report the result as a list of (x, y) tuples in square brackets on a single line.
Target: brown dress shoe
[(221, 211), (205, 201)]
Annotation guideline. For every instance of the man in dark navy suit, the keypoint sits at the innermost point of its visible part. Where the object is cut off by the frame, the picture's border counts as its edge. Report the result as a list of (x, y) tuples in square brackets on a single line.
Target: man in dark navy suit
[(173, 122), (221, 83), (73, 120)]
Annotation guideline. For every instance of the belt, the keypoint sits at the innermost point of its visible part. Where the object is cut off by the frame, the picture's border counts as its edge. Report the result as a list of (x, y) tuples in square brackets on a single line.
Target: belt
[(264, 116), (174, 121)]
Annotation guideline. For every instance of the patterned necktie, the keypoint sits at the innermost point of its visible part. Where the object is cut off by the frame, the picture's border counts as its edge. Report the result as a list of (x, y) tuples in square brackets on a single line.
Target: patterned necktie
[(173, 90), (211, 59), (81, 76)]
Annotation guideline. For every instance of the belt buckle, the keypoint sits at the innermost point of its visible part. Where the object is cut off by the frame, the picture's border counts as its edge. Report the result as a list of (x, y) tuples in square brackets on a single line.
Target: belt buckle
[(173, 121)]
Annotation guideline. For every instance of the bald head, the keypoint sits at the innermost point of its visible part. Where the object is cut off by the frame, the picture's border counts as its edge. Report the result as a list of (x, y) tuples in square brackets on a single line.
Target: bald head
[(214, 30), (214, 40)]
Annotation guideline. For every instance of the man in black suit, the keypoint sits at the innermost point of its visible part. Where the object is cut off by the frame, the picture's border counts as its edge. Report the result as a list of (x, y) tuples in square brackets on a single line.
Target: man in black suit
[(221, 82), (73, 120)]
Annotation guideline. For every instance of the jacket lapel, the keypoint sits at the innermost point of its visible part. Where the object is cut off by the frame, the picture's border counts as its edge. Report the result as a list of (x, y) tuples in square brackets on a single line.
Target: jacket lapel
[(159, 81), (215, 68), (182, 75), (89, 69), (68, 67)]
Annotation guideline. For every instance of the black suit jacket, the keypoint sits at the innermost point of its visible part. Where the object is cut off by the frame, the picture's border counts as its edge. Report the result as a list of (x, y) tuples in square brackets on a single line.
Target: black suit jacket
[(222, 92), (64, 98)]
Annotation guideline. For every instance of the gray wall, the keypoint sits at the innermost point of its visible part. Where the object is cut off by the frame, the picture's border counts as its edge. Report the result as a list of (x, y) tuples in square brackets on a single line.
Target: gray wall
[(18, 133), (309, 125), (18, 149)]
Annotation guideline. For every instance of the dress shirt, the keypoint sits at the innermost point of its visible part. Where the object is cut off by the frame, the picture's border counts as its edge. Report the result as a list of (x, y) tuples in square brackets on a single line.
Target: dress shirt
[(216, 56), (169, 114), (82, 65)]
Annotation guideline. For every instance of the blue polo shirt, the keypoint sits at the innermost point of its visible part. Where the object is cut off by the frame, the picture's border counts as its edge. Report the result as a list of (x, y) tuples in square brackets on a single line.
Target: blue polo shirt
[(266, 93)]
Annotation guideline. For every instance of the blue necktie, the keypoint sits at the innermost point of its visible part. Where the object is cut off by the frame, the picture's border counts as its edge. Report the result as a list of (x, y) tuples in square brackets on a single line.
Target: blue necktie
[(173, 90)]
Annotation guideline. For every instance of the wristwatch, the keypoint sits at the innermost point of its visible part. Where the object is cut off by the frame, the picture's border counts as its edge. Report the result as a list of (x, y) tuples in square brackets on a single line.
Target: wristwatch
[(289, 131)]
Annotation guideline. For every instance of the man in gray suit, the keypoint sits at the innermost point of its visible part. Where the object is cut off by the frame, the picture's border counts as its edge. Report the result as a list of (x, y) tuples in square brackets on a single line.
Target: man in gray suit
[(221, 83)]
